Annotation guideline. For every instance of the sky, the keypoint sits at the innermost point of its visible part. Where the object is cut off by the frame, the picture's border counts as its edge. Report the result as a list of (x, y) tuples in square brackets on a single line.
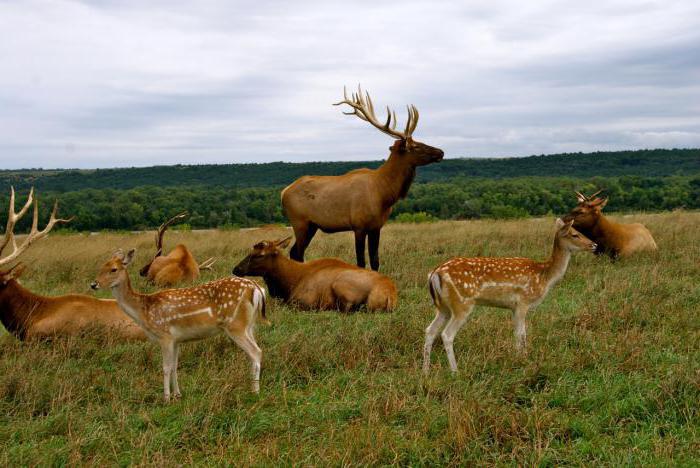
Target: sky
[(134, 83)]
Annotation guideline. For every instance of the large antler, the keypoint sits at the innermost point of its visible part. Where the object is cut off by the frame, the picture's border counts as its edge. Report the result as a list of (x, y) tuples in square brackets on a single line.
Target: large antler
[(362, 107), (164, 227), (34, 234), (583, 198)]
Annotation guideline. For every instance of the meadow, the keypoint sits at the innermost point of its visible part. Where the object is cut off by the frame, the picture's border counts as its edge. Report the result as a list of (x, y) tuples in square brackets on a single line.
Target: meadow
[(612, 375)]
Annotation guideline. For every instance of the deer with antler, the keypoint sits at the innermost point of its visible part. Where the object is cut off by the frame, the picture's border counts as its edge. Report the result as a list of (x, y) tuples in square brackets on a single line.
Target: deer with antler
[(613, 239), (179, 265), (27, 315), (519, 284), (361, 200), (170, 317)]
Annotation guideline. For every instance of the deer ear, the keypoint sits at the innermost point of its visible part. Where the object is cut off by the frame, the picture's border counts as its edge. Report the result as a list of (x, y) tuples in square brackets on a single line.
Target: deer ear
[(119, 253), (283, 243), (602, 204), (128, 257), (560, 223)]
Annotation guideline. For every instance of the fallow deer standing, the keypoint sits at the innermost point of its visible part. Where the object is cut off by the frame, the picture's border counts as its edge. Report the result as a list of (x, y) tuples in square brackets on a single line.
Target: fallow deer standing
[(326, 284), (613, 239), (179, 265), (519, 284), (173, 316), (27, 315), (361, 200)]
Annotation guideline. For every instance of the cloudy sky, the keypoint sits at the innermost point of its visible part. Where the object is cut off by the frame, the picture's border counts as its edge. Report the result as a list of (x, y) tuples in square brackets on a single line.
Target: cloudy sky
[(107, 83)]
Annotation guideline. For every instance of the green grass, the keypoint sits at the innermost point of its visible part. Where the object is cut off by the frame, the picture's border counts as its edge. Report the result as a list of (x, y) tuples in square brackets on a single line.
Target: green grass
[(612, 375)]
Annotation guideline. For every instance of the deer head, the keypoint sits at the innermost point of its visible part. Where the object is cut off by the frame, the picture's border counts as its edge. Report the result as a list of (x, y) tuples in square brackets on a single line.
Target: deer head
[(262, 258), (413, 152), (114, 272), (586, 214), (570, 239)]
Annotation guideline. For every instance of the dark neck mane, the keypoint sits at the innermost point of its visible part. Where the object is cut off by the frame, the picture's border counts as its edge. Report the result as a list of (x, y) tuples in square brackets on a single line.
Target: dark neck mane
[(19, 308)]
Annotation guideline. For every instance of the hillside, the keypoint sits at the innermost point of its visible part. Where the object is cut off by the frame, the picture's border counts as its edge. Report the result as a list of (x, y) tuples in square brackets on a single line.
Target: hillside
[(645, 163)]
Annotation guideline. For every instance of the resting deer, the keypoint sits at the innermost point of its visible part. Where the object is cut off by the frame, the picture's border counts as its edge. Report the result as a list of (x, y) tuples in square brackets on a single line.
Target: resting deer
[(27, 315), (519, 284), (326, 284), (613, 239), (361, 200), (173, 316), (179, 265)]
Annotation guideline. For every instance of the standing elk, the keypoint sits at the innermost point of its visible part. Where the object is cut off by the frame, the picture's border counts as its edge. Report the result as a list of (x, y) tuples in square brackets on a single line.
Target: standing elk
[(173, 316), (326, 284), (27, 315), (361, 200), (614, 239), (179, 265), (519, 284)]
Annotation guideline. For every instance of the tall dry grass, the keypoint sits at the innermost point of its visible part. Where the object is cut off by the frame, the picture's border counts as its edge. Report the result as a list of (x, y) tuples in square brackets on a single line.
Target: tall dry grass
[(612, 374)]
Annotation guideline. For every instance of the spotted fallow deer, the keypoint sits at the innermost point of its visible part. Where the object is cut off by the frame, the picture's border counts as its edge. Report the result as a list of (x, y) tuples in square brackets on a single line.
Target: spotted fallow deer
[(519, 284), (27, 315), (614, 239), (361, 200), (178, 266), (325, 284), (173, 316)]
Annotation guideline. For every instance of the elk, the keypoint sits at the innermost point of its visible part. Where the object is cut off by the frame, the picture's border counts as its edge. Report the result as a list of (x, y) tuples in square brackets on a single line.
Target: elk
[(326, 284), (179, 265), (361, 200), (173, 316), (614, 239), (519, 284), (27, 315)]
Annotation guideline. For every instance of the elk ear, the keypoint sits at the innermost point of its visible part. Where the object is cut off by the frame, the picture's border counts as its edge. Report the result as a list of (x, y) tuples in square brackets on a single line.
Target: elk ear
[(128, 257), (602, 204), (16, 271), (283, 243)]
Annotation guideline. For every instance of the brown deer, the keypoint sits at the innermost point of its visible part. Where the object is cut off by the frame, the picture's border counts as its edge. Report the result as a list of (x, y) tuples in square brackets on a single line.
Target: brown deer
[(614, 239), (27, 315), (519, 284), (361, 200), (173, 316), (179, 265), (326, 284)]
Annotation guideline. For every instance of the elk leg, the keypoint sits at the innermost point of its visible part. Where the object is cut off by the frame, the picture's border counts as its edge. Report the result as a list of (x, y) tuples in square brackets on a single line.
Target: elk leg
[(360, 248), (174, 382), (431, 333), (168, 349), (302, 238), (519, 325), (247, 343), (373, 239), (460, 314)]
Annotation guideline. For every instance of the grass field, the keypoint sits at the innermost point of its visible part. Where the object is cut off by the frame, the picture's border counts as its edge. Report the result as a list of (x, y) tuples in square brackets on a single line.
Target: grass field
[(612, 376)]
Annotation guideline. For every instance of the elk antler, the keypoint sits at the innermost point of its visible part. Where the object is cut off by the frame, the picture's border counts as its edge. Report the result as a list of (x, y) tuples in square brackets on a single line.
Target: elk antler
[(207, 264), (164, 227), (583, 198), (34, 234), (362, 107)]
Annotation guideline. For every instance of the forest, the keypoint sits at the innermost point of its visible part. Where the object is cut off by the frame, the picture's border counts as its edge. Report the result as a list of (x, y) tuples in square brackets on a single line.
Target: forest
[(248, 195)]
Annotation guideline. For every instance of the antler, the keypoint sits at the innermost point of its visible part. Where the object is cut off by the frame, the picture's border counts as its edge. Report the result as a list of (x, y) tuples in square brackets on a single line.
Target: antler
[(207, 264), (34, 234), (583, 198), (164, 227), (362, 107)]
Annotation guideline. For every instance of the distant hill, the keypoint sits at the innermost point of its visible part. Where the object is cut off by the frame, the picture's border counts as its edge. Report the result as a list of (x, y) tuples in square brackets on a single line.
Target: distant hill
[(646, 163)]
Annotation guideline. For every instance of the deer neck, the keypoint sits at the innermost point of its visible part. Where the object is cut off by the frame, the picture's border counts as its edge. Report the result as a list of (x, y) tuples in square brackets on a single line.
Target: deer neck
[(19, 308), (555, 267), (129, 300), (397, 175), (283, 277)]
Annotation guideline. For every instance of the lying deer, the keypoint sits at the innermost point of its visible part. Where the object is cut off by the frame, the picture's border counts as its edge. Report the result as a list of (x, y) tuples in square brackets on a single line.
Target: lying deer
[(326, 284), (173, 316), (27, 315), (361, 200), (519, 284), (613, 239), (178, 266)]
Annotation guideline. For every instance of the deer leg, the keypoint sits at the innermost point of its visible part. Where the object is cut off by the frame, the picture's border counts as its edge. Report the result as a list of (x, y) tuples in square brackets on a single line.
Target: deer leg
[(302, 238), (360, 248), (460, 314), (519, 326), (246, 342), (174, 382), (373, 239), (431, 333), (168, 349)]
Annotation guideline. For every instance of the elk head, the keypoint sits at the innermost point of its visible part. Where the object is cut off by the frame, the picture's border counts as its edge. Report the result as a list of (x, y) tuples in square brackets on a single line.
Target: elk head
[(262, 258), (405, 147), (113, 272), (572, 240), (586, 214)]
